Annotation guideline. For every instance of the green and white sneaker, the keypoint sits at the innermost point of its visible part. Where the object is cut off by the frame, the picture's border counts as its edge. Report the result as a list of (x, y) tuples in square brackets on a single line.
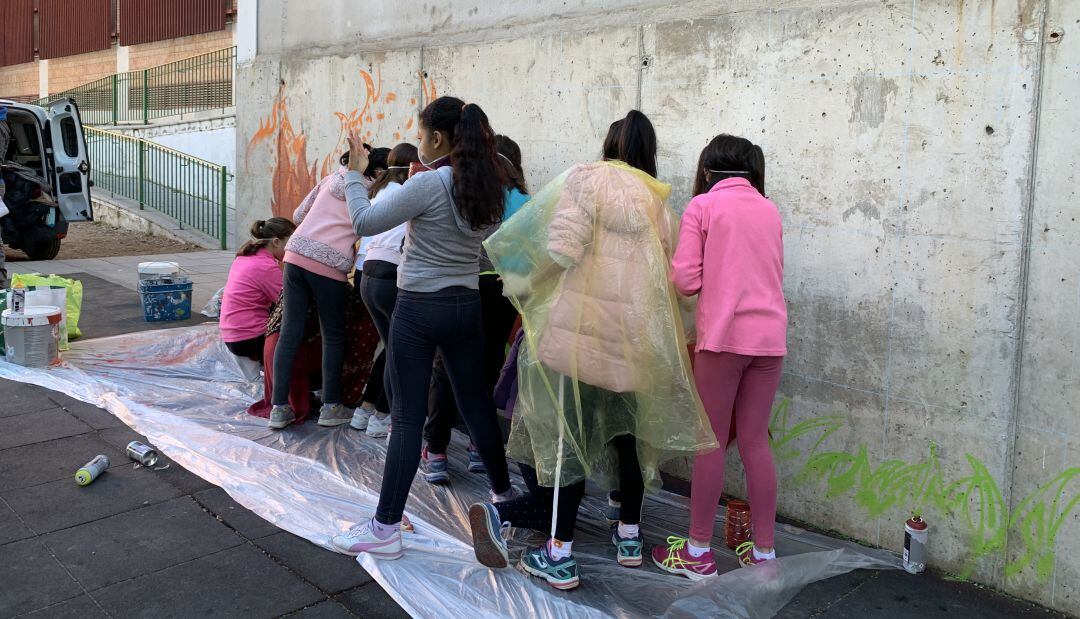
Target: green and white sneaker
[(627, 549), (561, 574)]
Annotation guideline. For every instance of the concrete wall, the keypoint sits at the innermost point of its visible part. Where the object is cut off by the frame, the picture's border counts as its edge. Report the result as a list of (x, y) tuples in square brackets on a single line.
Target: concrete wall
[(921, 154)]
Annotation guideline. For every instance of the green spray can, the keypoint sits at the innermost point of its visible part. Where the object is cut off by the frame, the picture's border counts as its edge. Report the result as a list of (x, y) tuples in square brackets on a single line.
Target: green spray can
[(91, 470)]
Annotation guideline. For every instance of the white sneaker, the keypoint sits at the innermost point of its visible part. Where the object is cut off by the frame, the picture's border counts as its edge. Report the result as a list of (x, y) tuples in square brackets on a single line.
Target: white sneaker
[(360, 418), (362, 539), (378, 426)]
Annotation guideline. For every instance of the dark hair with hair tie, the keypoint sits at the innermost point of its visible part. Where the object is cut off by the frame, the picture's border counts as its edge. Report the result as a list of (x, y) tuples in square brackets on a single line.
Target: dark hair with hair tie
[(478, 177), (632, 140), (399, 158), (264, 231), (729, 156)]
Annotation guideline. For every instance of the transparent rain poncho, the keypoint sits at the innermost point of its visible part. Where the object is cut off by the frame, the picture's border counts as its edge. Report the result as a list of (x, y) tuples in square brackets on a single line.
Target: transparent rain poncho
[(586, 263)]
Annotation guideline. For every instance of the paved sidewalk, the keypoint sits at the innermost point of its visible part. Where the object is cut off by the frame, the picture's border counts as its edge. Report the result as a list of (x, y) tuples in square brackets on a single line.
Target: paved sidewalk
[(207, 270), (141, 542)]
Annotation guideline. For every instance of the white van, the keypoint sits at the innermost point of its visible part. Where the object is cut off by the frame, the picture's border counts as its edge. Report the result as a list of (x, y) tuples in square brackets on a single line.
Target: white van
[(50, 142)]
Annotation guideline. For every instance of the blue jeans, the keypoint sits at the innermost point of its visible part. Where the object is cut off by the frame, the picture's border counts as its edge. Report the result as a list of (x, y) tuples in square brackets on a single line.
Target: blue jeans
[(447, 320)]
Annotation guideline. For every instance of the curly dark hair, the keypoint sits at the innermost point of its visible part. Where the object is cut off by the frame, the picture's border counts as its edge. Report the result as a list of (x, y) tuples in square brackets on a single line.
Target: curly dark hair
[(479, 179)]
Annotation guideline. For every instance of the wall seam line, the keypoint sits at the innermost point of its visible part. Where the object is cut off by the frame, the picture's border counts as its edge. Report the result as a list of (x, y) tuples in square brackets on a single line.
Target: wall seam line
[(1023, 285)]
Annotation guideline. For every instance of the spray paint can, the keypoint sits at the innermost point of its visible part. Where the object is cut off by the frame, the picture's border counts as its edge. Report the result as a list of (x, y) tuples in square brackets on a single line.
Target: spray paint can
[(18, 300), (915, 536), (143, 454), (91, 470)]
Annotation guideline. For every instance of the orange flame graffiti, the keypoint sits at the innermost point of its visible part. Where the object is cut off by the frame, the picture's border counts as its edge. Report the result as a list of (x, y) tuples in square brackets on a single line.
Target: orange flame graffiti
[(292, 175)]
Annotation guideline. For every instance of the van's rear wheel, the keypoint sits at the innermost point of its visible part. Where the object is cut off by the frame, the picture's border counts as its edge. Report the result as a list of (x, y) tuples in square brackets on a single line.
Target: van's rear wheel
[(44, 250)]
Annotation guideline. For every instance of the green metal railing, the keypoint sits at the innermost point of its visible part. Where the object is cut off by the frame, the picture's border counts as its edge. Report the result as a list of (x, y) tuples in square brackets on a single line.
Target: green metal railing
[(190, 190), (194, 84)]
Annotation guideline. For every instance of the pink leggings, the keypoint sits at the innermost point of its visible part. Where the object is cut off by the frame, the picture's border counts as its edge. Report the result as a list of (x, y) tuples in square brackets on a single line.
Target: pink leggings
[(744, 386)]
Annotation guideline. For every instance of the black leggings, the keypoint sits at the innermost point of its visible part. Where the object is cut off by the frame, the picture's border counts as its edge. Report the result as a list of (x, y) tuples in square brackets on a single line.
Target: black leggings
[(423, 322), (301, 288), (249, 349), (498, 316), (533, 511)]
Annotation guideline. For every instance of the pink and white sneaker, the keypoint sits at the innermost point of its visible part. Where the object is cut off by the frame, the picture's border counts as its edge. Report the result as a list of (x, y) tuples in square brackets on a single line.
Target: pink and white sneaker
[(675, 558), (370, 538)]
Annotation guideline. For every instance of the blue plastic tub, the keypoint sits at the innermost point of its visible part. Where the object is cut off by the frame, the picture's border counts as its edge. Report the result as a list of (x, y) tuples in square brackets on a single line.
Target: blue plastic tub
[(165, 299)]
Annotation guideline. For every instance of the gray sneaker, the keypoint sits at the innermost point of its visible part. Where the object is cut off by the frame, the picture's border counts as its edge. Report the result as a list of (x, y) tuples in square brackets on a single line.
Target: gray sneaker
[(331, 415), (281, 416)]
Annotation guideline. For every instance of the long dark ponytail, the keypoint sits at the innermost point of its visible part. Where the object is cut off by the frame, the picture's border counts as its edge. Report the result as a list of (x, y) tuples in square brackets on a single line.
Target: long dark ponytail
[(478, 177), (632, 140)]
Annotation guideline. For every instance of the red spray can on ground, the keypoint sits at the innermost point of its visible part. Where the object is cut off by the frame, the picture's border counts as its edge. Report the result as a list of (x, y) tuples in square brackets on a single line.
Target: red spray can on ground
[(916, 532)]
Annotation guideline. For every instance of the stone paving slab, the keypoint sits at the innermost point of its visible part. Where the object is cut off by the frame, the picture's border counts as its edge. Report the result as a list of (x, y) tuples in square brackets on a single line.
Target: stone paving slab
[(62, 503), (127, 545), (32, 578), (234, 515), (330, 609), (30, 465), (238, 582), (81, 607), (329, 571), (38, 427), (12, 528), (89, 414), (24, 399), (370, 601)]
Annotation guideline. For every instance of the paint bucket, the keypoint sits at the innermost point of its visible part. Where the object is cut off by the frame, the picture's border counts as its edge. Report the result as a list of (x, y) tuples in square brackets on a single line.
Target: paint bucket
[(156, 270), (916, 533), (32, 337), (166, 298), (737, 527)]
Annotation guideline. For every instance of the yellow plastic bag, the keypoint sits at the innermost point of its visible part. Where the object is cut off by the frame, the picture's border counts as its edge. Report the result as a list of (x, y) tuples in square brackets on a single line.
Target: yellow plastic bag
[(74, 296), (586, 263)]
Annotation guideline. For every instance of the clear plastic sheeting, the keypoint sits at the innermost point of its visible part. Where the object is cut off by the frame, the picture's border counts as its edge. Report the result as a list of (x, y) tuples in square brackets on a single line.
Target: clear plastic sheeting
[(186, 393)]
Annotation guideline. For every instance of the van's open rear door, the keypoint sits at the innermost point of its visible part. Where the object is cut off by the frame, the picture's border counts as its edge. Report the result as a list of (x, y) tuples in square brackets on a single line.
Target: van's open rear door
[(71, 161)]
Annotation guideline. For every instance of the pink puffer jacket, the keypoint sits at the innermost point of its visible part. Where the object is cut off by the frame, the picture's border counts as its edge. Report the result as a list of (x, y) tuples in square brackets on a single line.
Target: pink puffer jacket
[(613, 233)]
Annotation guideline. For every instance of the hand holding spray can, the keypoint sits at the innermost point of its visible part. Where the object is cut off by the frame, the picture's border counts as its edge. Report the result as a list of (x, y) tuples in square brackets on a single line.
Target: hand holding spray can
[(91, 470), (916, 532)]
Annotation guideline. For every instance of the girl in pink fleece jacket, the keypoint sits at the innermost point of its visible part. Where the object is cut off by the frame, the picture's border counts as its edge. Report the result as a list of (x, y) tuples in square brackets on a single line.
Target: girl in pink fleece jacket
[(318, 260), (731, 254)]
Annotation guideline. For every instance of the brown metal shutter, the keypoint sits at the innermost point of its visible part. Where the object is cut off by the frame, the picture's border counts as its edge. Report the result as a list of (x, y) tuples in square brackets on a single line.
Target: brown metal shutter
[(69, 27), (143, 21), (17, 40)]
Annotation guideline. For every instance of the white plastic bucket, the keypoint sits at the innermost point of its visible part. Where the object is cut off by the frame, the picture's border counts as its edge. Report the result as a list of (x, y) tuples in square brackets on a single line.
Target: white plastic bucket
[(32, 337), (157, 270)]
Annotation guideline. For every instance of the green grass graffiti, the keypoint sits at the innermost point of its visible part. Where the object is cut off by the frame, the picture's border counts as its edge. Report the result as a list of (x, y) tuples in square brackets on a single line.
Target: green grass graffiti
[(975, 501)]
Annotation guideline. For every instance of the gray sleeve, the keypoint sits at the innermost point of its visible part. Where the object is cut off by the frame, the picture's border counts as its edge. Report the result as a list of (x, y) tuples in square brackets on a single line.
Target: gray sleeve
[(412, 199)]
